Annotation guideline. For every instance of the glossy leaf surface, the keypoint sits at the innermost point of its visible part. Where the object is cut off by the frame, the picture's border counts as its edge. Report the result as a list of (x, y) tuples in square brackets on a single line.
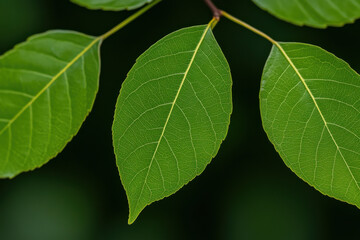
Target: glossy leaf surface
[(310, 107), (172, 114), (314, 13), (47, 87), (112, 5)]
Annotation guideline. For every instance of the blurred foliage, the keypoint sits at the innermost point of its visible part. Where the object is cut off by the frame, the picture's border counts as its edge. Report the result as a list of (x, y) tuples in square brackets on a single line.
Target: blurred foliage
[(42, 208), (247, 192)]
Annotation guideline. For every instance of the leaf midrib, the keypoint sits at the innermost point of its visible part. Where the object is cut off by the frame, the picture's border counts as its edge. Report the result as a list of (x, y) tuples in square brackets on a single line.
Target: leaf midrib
[(172, 106), (317, 107), (47, 86)]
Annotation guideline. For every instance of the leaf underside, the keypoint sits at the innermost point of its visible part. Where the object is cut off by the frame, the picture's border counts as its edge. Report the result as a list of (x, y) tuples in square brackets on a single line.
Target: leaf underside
[(310, 107), (313, 13), (47, 87), (172, 114), (112, 5)]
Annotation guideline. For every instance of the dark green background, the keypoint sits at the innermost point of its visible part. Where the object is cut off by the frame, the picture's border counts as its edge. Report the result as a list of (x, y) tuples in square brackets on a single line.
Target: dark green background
[(247, 192)]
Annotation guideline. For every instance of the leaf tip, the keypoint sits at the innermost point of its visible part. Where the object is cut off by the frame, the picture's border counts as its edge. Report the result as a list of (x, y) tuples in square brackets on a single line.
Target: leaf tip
[(132, 218), (130, 221)]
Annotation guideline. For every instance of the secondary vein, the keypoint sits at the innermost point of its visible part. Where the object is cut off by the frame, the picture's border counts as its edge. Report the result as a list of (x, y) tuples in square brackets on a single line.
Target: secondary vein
[(63, 70), (77, 57), (174, 102), (262, 34), (317, 107)]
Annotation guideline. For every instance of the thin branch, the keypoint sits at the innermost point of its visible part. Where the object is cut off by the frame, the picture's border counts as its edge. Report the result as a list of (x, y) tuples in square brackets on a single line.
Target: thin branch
[(251, 28), (216, 12), (129, 20)]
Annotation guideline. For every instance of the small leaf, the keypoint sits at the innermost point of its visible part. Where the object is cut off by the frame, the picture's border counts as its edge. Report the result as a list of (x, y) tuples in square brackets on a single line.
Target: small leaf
[(47, 87), (112, 5), (313, 13), (310, 107), (172, 114)]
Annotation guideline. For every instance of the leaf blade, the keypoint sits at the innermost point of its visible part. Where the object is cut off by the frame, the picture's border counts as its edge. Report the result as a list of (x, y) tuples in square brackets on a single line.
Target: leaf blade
[(43, 69), (314, 13), (309, 132), (114, 5), (153, 167)]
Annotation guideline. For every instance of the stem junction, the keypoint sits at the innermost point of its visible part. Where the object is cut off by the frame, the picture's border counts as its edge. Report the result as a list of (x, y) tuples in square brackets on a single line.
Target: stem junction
[(216, 11)]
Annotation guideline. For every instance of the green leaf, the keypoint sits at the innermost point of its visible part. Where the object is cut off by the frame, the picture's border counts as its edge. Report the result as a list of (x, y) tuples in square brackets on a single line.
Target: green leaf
[(112, 5), (313, 13), (47, 87), (172, 114), (310, 107)]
